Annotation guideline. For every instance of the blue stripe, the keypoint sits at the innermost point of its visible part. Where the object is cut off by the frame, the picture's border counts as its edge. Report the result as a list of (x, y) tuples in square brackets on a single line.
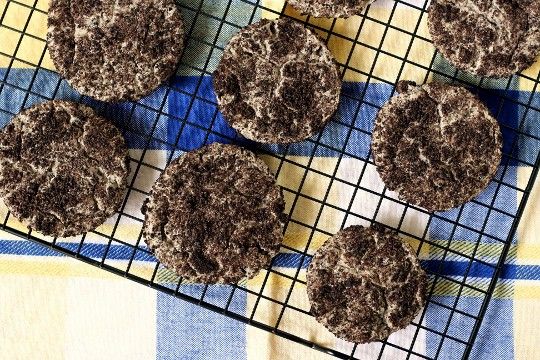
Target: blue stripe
[(115, 252), (201, 113), (495, 339), (180, 325), (287, 260)]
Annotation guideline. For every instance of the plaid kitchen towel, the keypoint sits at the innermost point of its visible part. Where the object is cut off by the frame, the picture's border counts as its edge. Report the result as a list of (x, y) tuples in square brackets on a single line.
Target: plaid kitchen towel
[(53, 307)]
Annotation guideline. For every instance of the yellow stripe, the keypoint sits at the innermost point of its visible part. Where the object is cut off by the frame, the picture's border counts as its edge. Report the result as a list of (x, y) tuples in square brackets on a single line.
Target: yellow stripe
[(527, 289), (42, 5), (275, 5), (63, 267), (470, 248), (503, 290), (532, 72), (44, 266), (528, 254), (526, 318), (277, 286), (71, 268), (30, 49)]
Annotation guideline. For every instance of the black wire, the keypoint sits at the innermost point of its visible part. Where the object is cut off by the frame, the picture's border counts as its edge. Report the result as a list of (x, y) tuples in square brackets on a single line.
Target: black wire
[(157, 277)]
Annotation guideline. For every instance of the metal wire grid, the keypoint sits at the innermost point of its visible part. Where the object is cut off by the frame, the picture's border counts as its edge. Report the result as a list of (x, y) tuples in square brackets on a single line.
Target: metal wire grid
[(139, 264)]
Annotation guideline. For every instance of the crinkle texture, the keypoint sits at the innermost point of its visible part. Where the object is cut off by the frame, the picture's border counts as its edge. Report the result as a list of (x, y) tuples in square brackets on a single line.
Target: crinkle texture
[(436, 145), (330, 9), (494, 38), (277, 82), (63, 169), (365, 283), (215, 215), (115, 50)]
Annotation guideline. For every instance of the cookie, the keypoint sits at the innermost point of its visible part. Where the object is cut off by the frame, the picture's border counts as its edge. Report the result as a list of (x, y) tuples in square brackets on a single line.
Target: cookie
[(63, 169), (215, 215), (277, 82), (330, 9), (436, 145), (115, 50), (495, 38), (365, 283)]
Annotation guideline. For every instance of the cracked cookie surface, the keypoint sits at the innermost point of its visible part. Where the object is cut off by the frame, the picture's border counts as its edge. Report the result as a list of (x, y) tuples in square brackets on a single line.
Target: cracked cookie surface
[(115, 50), (494, 38), (365, 283), (277, 82), (215, 215), (436, 145), (329, 9), (63, 169)]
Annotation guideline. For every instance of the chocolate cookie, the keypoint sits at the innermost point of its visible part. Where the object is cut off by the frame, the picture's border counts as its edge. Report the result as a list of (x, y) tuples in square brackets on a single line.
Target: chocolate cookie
[(333, 8), (365, 283), (215, 215), (436, 145), (495, 38), (277, 82), (63, 169), (115, 50)]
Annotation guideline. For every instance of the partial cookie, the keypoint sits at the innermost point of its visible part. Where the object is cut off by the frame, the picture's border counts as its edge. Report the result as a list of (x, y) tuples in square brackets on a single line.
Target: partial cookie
[(330, 9), (277, 82), (495, 38), (365, 283), (115, 50), (436, 145), (215, 215), (63, 169)]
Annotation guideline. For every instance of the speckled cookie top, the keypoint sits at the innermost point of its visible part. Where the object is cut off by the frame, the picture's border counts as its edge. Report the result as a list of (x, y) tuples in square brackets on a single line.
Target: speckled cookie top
[(215, 215), (329, 9), (63, 169), (436, 145), (277, 82), (494, 38), (115, 50), (365, 283)]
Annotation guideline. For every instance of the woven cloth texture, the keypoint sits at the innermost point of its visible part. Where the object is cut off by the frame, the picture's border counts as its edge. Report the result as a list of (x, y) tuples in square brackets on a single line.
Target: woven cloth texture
[(55, 307)]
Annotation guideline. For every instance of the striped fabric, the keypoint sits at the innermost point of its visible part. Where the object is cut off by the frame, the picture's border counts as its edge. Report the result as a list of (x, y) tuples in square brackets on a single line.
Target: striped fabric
[(53, 307)]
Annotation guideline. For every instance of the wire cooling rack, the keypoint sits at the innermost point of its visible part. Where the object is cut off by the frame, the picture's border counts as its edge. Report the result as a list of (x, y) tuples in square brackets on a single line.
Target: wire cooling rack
[(209, 26)]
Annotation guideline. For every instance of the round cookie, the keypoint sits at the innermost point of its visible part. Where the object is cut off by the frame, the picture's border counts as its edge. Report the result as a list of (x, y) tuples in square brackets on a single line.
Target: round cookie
[(495, 38), (63, 169), (115, 50), (365, 283), (277, 82), (436, 145), (215, 215), (330, 9)]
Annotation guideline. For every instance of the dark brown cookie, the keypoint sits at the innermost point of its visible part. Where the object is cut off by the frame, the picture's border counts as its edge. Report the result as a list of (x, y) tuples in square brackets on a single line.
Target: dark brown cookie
[(215, 215), (63, 169), (277, 82), (495, 38), (436, 145), (330, 9), (365, 283), (115, 50)]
